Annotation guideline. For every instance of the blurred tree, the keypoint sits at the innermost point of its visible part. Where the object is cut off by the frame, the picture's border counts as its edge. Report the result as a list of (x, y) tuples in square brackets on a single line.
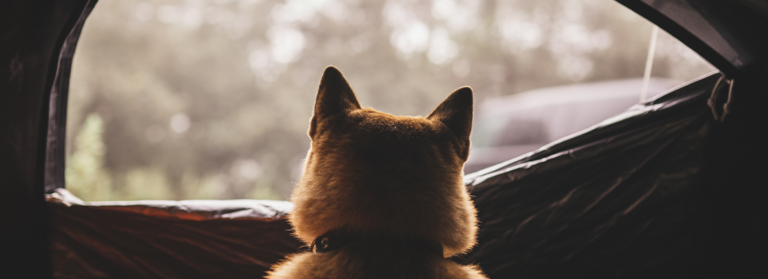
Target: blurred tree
[(211, 99), (86, 172)]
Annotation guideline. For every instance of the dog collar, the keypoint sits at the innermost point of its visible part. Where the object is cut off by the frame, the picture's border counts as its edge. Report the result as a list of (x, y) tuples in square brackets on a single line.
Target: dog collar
[(334, 239)]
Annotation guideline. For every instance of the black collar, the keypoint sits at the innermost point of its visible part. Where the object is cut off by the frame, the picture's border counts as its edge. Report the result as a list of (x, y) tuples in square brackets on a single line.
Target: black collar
[(336, 239)]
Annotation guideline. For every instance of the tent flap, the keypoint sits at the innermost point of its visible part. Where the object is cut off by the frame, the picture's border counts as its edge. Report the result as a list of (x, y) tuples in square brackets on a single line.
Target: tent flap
[(168, 239), (618, 200)]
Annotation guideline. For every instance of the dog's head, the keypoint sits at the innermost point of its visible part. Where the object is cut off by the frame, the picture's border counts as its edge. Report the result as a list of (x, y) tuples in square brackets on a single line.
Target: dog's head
[(373, 172)]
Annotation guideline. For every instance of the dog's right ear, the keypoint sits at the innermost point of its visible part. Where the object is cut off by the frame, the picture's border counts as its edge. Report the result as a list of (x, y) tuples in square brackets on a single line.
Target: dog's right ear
[(334, 96)]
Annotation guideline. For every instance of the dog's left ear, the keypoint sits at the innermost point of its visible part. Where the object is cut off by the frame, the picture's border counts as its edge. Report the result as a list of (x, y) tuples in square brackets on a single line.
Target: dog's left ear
[(333, 97), (455, 112)]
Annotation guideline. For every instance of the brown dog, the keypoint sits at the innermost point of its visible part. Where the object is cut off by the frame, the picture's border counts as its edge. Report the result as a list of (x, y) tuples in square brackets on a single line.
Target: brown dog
[(382, 195)]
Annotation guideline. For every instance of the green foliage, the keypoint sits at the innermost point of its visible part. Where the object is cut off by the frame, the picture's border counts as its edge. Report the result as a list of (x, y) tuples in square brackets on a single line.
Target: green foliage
[(85, 171), (211, 99)]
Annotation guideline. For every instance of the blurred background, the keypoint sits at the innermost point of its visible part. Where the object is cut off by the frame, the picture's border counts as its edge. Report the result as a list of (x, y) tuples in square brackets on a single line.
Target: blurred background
[(211, 99)]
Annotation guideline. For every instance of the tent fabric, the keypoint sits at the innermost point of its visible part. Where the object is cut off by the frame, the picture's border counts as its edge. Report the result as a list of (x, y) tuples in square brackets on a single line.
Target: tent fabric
[(168, 239), (57, 105), (32, 33), (617, 200), (662, 190)]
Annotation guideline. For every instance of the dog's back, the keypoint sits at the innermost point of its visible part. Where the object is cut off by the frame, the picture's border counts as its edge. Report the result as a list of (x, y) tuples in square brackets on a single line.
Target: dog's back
[(379, 260), (381, 195)]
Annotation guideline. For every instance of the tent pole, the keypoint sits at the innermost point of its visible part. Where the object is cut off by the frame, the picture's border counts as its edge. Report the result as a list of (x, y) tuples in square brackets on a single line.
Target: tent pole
[(649, 63)]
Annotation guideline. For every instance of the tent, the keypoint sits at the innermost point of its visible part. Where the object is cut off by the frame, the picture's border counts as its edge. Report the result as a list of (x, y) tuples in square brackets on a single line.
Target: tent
[(670, 188)]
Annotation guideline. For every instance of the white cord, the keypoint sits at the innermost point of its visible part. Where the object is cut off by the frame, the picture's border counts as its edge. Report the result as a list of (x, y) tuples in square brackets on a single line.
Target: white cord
[(649, 63)]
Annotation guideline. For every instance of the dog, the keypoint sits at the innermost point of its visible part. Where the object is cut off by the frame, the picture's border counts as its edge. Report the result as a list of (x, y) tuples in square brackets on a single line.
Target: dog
[(382, 196)]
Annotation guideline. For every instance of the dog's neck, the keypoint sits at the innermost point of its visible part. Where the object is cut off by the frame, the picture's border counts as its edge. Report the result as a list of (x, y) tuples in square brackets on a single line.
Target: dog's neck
[(336, 239)]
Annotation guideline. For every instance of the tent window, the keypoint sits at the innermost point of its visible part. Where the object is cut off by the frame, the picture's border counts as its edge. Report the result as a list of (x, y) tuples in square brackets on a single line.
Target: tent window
[(177, 99)]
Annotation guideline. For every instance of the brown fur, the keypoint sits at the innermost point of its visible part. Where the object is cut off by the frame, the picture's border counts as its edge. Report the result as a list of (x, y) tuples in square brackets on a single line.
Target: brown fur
[(395, 177)]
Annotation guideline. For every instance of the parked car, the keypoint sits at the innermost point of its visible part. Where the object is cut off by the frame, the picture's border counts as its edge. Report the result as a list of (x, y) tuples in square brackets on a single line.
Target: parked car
[(510, 126)]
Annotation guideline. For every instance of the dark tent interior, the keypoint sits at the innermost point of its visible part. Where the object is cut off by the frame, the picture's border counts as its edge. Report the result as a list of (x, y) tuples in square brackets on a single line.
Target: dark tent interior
[(670, 188)]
